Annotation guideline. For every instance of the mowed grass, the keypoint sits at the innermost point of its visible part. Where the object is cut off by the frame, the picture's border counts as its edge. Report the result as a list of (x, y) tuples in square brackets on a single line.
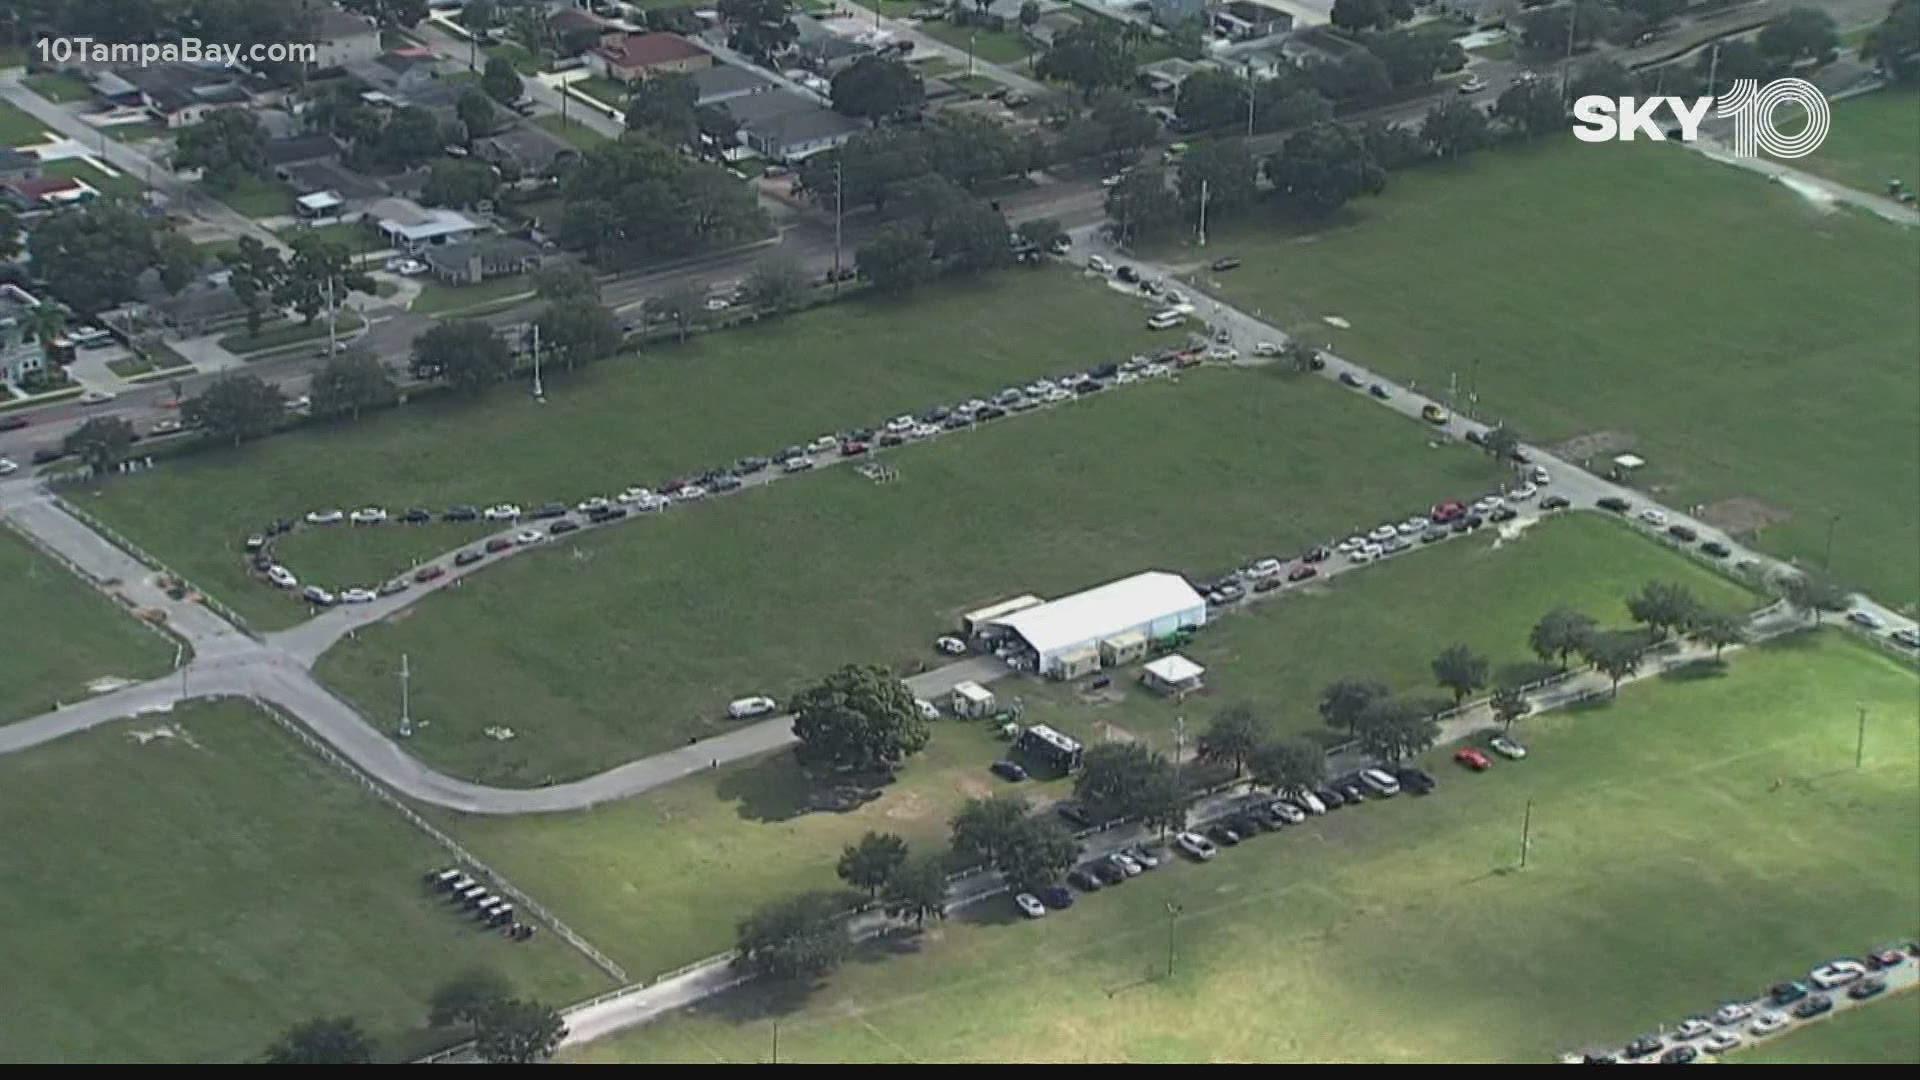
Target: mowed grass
[(1882, 1033), (634, 639), (738, 835), (63, 635), (1874, 138), (187, 898), (1401, 931), (18, 128), (1746, 344), (637, 419)]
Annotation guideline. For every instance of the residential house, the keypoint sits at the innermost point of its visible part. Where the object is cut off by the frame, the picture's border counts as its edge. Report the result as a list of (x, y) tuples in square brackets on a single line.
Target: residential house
[(823, 50), (724, 82), (629, 57), (301, 149), (1176, 12), (474, 261), (207, 302), (343, 38), (29, 194), (20, 353), (181, 95), (784, 126), (413, 228), (531, 151), (1051, 25), (575, 31), (18, 164), (1244, 20)]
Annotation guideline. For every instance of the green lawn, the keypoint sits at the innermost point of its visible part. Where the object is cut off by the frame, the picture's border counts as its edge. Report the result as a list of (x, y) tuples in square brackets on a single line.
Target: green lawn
[(437, 297), (1584, 290), (523, 59), (1004, 47), (1872, 140), (19, 129), (187, 898), (740, 834), (89, 173), (281, 333), (600, 89), (580, 135), (59, 86), (78, 635), (352, 235), (1883, 1033), (257, 198), (632, 420), (1401, 931), (128, 366), (763, 593)]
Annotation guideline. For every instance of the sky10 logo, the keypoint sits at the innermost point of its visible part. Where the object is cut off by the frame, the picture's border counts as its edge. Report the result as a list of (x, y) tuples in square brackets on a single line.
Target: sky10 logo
[(1751, 107)]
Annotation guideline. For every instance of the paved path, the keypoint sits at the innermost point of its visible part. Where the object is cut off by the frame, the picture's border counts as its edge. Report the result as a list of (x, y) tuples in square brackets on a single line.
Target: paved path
[(926, 43), (1879, 205)]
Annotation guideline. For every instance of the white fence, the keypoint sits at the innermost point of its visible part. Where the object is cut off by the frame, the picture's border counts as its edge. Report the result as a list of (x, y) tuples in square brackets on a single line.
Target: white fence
[(165, 633), (128, 546)]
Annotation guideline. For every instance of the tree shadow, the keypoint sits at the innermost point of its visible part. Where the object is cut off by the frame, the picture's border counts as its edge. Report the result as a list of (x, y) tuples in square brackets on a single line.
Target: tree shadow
[(769, 790), (1522, 672), (1696, 670), (762, 1000)]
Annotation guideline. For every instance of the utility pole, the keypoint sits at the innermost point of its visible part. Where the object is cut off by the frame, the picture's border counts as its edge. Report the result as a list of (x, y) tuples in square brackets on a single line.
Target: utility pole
[(333, 344), (1859, 742), (406, 698), (1566, 68), (1826, 558), (1203, 213), (970, 38), (839, 207), (776, 1039), (1713, 69), (1173, 911), (1250, 99), (539, 391), (1526, 834)]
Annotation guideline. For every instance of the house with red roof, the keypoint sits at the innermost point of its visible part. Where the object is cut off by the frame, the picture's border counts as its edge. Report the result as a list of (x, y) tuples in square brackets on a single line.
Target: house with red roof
[(630, 57)]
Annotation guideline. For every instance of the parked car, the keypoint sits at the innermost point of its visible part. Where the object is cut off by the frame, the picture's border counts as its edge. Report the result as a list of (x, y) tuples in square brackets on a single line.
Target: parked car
[(1732, 1012), (1378, 391), (1472, 759), (1146, 859), (1126, 864), (461, 513), (468, 558), (1555, 502), (1614, 503), (325, 517), (1882, 959), (1767, 1023), (282, 577), (1224, 835), (1835, 973), (1008, 770), (1348, 378), (1693, 1027), (357, 596), (368, 515), (1716, 549), (562, 527), (1786, 993), (1302, 571), (1813, 1005), (1056, 897), (950, 645), (1084, 880), (429, 573), (748, 707), (1433, 414), (497, 544), (1330, 798), (1415, 779), (1867, 619), (1507, 747), (1380, 782), (1683, 533), (1196, 845), (1225, 263), (1679, 1055), (417, 515), (1644, 1046), (1030, 905), (1720, 1042), (317, 596), (1867, 988), (1285, 811)]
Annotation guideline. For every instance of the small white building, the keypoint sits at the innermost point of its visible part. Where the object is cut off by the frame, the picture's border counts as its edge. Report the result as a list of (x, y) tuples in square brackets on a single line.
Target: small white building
[(341, 38), (1173, 675), (975, 621), (412, 228), (1064, 635), (972, 701), (319, 204)]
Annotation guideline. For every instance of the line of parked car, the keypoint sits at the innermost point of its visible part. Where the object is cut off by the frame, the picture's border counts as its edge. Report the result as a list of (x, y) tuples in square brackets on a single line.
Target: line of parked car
[(1784, 1003)]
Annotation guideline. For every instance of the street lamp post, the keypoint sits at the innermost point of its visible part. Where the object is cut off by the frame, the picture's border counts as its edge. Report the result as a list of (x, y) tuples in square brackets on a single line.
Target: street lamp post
[(1173, 911), (406, 698), (970, 38), (1826, 557), (539, 391)]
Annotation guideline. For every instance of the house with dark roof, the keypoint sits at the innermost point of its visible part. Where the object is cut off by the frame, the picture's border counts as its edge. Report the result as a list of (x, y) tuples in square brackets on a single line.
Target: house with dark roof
[(301, 148), (181, 95), (820, 48), (532, 151), (784, 126), (473, 261), (723, 82), (18, 164), (20, 353), (575, 30), (628, 57), (341, 38)]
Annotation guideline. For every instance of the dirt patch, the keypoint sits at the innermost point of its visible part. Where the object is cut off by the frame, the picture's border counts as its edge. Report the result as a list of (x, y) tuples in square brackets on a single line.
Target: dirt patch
[(1742, 516), (906, 808), (143, 736), (1106, 695), (1594, 444), (973, 788), (402, 615)]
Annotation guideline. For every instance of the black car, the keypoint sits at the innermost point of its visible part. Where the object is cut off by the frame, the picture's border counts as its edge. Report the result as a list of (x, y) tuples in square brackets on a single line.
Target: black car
[(890, 439), (1074, 813), (1614, 503), (1474, 521), (1861, 991), (991, 412), (1351, 791), (1599, 1058), (1104, 371), (417, 516), (788, 454), (461, 513), (1433, 533), (723, 482), (1641, 1047), (550, 510), (1333, 799), (1316, 554), (498, 544), (1716, 549), (1089, 386), (935, 415), (753, 464), (262, 562), (1126, 274), (606, 513), (1503, 513), (1084, 880), (1056, 897), (1109, 872), (1348, 378), (1682, 533), (1814, 1005), (1555, 502), (561, 526), (1786, 993), (467, 558), (1008, 770), (956, 422), (1415, 779), (1679, 1055), (1268, 584), (1225, 263), (1378, 391), (1150, 287), (1247, 825), (1224, 835)]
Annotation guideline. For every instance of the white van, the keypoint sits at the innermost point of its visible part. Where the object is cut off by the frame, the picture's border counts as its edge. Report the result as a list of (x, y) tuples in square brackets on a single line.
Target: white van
[(1380, 781), (1164, 320), (1099, 265)]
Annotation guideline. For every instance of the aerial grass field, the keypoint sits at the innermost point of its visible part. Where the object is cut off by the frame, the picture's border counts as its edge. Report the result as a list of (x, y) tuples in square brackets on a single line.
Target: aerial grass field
[(743, 833), (633, 639), (185, 887), (1691, 842), (1756, 350), (633, 420), (62, 635), (18, 128), (1871, 141), (1883, 1033)]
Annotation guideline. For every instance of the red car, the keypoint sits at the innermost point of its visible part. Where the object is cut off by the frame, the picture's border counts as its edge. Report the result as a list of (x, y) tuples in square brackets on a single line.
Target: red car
[(852, 448), (428, 573), (1882, 959), (1302, 571), (1446, 510), (1472, 759), (499, 543)]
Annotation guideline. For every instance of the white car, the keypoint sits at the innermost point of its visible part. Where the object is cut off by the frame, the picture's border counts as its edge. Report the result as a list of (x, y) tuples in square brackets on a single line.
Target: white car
[(1522, 493), (282, 576), (588, 506), (1364, 554), (1767, 1023), (303, 402), (1097, 264), (746, 707), (950, 645), (325, 517), (1373, 551), (1196, 845), (1266, 348), (1310, 802), (314, 594), (1868, 619), (1030, 905), (529, 536), (900, 425), (96, 397), (1383, 532), (1286, 811), (357, 596), (1410, 527), (690, 493), (650, 502), (1107, 181), (1056, 395), (824, 443), (718, 303), (1835, 973), (1692, 1028), (1732, 1013), (368, 515), (1473, 85), (1263, 569), (1126, 378), (634, 495), (1223, 352), (924, 431), (1486, 504), (797, 464), (1539, 475), (1508, 748), (502, 512), (165, 427), (928, 710), (1147, 859), (1653, 517), (7, 468), (1351, 543), (1720, 1042)]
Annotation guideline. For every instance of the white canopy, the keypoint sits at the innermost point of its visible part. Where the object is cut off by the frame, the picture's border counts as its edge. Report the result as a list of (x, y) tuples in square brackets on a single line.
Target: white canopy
[(1174, 668)]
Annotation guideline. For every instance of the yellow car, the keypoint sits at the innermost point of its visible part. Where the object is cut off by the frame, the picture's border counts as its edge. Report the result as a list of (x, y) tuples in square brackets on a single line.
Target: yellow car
[(1433, 414)]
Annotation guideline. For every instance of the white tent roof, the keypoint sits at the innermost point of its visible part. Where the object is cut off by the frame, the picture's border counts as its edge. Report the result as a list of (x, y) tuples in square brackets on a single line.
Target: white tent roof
[(1174, 668), (1103, 611), (972, 691)]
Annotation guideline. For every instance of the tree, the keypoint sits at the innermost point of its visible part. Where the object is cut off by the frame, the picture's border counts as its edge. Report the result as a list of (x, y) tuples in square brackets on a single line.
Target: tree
[(1124, 780), (319, 275), (1319, 169), (500, 81), (1393, 728), (515, 1032), (1614, 655), (860, 718), (475, 111), (1127, 124), (759, 28), (1141, 206), (177, 261), (1561, 633), (479, 14), (1545, 29), (1509, 704), (1289, 766), (1720, 629), (800, 937), (667, 106), (1345, 701), (1662, 607), (1894, 45), (1811, 592), (1460, 670), (226, 146), (1732, 59), (895, 260), (256, 271), (680, 305), (876, 87), (459, 182), (1359, 76), (1412, 59), (464, 353), (235, 408), (1532, 109), (1454, 129), (1043, 232), (1037, 854), (1088, 57), (916, 890), (872, 862), (1230, 174), (332, 1041), (1234, 734), (467, 996), (409, 136), (1210, 98), (1801, 34), (972, 236), (9, 233), (100, 442), (982, 827), (350, 382), (90, 255), (1604, 78), (777, 284), (577, 330), (1029, 14), (1356, 15), (1500, 442)]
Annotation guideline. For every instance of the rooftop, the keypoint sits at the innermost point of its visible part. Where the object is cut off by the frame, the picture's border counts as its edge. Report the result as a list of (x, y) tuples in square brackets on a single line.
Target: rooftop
[(332, 24), (1103, 610), (645, 50), (300, 148), (1174, 668), (723, 80), (455, 256)]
